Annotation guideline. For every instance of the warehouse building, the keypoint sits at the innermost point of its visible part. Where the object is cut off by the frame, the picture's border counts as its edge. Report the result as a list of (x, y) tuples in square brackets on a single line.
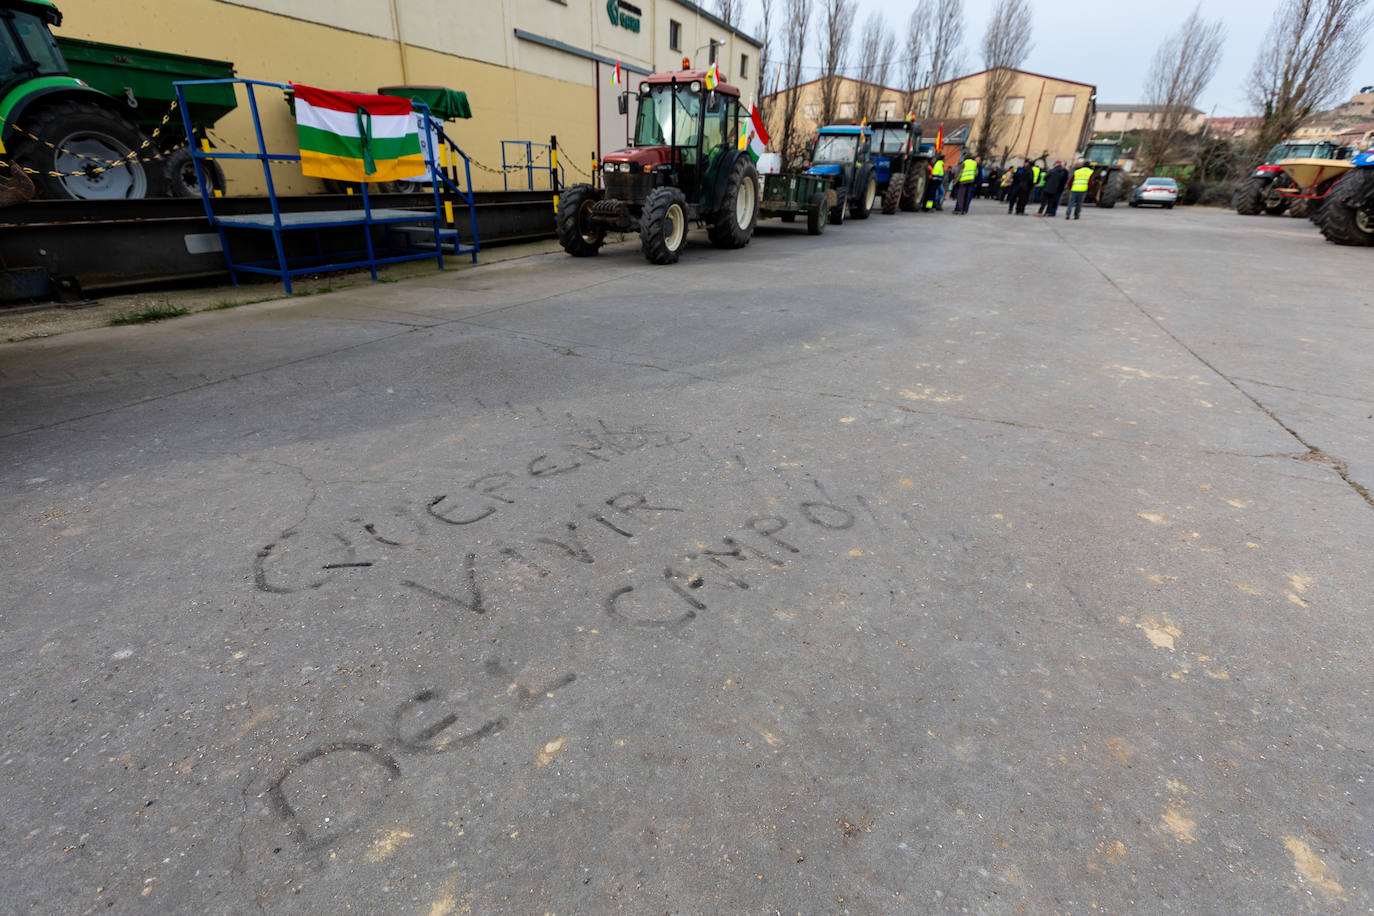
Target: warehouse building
[(531, 68)]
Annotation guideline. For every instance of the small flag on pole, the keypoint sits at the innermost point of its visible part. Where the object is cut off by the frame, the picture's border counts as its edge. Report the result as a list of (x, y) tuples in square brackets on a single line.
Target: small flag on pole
[(753, 137), (713, 75), (616, 79), (940, 139), (911, 115)]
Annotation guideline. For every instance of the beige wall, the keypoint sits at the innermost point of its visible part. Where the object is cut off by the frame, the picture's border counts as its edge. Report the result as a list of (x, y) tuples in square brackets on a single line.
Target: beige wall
[(518, 89), (1038, 130), (1106, 121)]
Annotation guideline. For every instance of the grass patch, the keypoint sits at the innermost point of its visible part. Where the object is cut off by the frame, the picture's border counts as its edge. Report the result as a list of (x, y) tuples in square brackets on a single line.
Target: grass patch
[(152, 313)]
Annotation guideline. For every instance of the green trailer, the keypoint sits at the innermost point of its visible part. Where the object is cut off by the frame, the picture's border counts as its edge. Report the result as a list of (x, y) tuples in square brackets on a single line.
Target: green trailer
[(789, 195), (81, 115)]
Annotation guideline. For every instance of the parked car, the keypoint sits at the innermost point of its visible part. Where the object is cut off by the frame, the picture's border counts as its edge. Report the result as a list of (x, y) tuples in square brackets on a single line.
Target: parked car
[(1162, 191)]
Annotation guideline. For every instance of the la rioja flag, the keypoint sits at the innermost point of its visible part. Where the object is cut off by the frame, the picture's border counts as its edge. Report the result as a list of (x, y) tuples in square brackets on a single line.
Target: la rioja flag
[(352, 136)]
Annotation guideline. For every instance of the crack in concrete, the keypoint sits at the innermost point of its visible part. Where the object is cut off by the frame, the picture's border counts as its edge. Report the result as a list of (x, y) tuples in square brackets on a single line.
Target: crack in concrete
[(1334, 463)]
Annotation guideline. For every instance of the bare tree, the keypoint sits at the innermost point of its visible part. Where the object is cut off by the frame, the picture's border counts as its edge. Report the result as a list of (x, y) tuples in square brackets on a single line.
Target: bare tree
[(732, 11), (1005, 46), (837, 20), (793, 50), (765, 55), (876, 47), (918, 37), (1304, 62), (945, 20), (1182, 67)]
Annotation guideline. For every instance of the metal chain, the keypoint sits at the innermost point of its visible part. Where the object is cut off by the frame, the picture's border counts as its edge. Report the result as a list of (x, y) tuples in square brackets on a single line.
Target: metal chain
[(571, 163), (103, 165)]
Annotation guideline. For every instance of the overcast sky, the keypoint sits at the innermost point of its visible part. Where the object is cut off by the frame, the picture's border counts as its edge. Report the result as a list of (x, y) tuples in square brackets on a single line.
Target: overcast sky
[(1107, 44)]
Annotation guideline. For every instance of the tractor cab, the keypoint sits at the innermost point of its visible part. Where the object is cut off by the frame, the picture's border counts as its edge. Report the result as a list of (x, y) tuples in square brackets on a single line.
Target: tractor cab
[(843, 153), (681, 132), (27, 49), (1103, 152)]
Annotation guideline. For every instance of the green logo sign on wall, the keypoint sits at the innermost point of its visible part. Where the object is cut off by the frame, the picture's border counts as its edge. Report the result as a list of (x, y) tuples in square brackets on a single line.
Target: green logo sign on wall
[(623, 14)]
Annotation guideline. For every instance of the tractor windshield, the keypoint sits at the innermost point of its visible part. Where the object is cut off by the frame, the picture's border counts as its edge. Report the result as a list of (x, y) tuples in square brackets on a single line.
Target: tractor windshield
[(668, 116), (889, 139), (835, 148), (1101, 153), (27, 48)]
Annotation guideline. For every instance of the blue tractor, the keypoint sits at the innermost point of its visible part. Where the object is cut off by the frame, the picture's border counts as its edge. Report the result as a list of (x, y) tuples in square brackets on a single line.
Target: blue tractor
[(1347, 214), (901, 163), (842, 153)]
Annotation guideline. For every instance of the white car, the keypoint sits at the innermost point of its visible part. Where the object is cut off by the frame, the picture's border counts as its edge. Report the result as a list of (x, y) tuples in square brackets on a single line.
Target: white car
[(1162, 191)]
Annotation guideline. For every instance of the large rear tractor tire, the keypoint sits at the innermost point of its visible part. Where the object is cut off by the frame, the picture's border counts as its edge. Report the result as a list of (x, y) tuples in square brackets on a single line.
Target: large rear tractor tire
[(815, 216), (733, 224), (180, 174), (85, 139), (892, 195), (1315, 204), (1348, 215), (663, 227), (575, 233), (915, 194), (1112, 187), (862, 205), (1250, 198)]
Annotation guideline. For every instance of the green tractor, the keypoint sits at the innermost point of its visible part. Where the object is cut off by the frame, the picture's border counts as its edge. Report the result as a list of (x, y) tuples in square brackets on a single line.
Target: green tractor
[(1108, 182), (80, 116), (685, 165)]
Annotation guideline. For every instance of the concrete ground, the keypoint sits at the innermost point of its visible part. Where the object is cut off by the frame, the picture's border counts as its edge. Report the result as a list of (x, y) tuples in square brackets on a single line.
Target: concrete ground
[(989, 565)]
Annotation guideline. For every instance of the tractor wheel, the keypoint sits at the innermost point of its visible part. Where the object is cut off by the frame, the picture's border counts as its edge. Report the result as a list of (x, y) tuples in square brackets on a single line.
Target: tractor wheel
[(1348, 216), (837, 211), (1299, 209), (915, 194), (733, 223), (180, 174), (663, 227), (84, 138), (1251, 194), (1272, 201), (1112, 187), (861, 206), (815, 216), (896, 186), (575, 233)]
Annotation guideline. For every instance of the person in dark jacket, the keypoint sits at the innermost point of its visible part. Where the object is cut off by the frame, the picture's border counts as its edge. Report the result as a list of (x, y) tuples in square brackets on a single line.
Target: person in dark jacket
[(1055, 180), (1020, 191)]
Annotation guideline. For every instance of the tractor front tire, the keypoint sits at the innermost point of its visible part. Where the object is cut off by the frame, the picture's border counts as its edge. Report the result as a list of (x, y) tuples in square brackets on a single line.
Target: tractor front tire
[(1273, 202), (896, 186), (663, 227), (861, 206), (815, 216), (575, 233), (1112, 186), (915, 195), (1251, 194), (1315, 204), (733, 223), (78, 141), (837, 211), (1347, 218)]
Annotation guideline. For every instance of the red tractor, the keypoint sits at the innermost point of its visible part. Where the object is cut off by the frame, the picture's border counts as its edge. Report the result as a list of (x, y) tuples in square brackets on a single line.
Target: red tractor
[(685, 165)]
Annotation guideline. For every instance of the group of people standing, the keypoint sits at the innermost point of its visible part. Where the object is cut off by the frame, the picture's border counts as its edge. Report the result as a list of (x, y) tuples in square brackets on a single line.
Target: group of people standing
[(1018, 186)]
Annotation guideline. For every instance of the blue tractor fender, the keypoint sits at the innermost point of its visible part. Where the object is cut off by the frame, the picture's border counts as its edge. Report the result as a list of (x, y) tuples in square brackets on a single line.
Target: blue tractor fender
[(1363, 160)]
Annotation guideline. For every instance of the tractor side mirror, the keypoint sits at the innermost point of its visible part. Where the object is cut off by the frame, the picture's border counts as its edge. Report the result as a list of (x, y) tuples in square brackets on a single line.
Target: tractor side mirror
[(623, 102)]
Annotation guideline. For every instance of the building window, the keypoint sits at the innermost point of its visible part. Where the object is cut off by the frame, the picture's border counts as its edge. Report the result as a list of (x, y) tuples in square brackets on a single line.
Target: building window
[(886, 109), (1063, 104), (846, 110), (969, 108), (811, 110), (744, 66), (1016, 104), (674, 34)]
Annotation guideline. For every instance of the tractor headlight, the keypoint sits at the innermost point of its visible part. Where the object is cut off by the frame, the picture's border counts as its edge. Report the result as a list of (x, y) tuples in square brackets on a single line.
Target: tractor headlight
[(608, 166)]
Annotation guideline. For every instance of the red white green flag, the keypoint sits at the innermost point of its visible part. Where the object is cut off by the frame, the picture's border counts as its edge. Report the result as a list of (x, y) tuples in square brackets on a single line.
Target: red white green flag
[(352, 136), (713, 75), (753, 136)]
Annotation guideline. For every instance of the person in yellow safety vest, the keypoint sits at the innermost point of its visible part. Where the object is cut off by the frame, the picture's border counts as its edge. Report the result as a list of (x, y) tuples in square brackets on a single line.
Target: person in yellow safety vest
[(935, 196), (1079, 189), (968, 181), (1037, 182)]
